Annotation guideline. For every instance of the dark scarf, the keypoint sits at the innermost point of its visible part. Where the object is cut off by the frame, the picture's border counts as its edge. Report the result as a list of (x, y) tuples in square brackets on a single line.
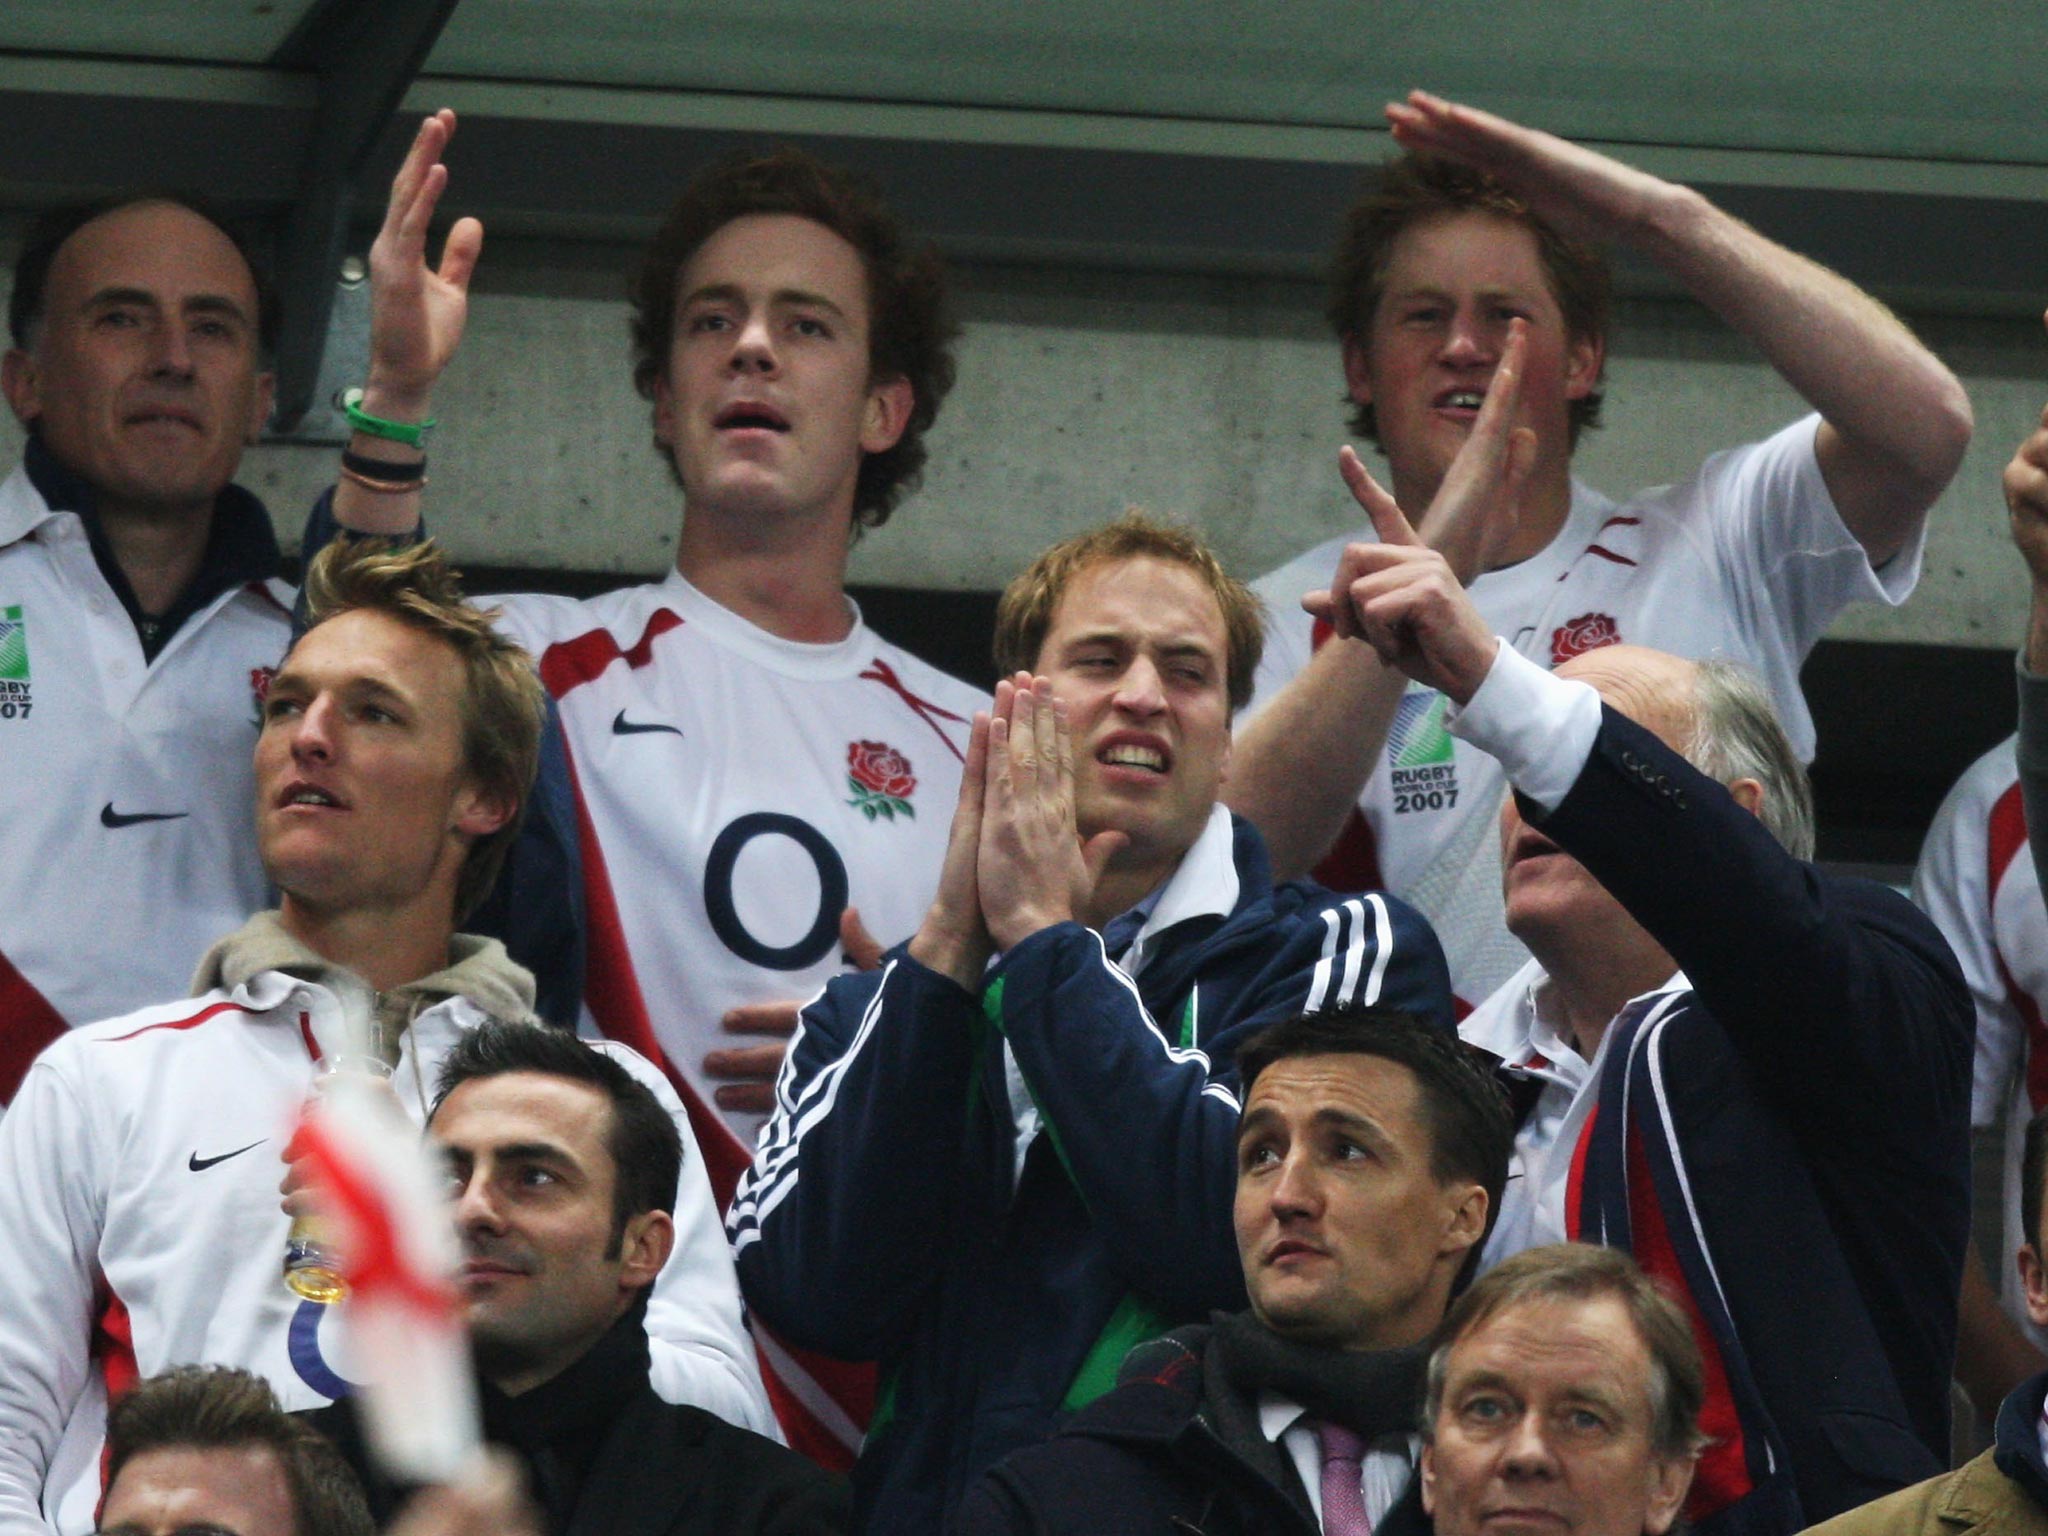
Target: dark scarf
[(559, 1427), (1375, 1392)]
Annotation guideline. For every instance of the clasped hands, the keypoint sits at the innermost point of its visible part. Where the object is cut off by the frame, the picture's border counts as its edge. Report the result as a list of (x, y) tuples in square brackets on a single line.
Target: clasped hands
[(1016, 861)]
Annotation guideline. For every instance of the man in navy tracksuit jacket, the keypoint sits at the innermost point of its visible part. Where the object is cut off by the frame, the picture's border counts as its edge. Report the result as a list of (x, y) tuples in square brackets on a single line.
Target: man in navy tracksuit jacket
[(996, 1178), (1750, 1073)]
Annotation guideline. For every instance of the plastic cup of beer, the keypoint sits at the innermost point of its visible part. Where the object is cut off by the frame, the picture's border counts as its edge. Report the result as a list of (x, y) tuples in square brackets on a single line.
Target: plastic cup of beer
[(312, 1267)]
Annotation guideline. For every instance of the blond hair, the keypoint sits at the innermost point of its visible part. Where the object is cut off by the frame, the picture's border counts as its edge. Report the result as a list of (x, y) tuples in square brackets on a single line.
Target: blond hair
[(503, 704)]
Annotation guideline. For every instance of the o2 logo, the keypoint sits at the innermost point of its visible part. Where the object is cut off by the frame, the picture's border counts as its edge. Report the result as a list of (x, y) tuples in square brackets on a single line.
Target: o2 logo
[(303, 1345), (724, 858)]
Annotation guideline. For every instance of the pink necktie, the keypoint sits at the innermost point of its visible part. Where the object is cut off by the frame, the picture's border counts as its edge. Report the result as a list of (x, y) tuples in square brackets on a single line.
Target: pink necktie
[(1343, 1480)]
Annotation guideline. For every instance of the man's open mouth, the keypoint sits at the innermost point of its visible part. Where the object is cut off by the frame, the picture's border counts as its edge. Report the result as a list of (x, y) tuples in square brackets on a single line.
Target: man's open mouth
[(1129, 754), (751, 416)]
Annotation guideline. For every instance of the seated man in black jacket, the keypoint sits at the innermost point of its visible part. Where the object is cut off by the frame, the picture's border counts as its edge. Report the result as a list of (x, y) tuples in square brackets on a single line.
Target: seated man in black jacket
[(562, 1166), (1372, 1152)]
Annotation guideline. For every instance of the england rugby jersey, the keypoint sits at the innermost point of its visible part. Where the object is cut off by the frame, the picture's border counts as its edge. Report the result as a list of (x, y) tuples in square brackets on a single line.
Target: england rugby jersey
[(126, 787), (1747, 561), (1978, 884), (736, 791)]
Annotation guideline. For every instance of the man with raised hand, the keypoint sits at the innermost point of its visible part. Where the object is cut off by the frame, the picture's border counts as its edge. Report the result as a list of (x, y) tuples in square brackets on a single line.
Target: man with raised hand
[(748, 757), (1707, 1015), (1482, 225), (139, 1163), (1009, 1155), (1371, 1155), (140, 610)]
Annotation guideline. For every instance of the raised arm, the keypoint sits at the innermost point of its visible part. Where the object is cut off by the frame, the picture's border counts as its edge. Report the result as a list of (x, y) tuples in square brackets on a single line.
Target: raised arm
[(1809, 975), (416, 320), (2026, 497), (1895, 421), (1299, 763)]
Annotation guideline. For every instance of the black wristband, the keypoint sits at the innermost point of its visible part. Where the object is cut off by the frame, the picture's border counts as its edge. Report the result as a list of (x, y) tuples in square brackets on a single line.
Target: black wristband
[(383, 469)]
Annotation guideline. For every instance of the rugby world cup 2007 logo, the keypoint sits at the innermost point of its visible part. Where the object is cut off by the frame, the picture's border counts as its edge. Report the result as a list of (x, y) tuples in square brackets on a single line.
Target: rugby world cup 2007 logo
[(15, 697), (1422, 764)]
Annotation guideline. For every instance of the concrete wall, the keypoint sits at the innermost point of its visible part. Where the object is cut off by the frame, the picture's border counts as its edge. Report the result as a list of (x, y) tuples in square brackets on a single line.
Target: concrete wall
[(1080, 392)]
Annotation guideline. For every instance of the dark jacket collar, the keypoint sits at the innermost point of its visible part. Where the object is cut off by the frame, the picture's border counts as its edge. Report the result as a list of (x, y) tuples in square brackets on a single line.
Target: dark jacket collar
[(559, 1427), (2016, 1440), (241, 546)]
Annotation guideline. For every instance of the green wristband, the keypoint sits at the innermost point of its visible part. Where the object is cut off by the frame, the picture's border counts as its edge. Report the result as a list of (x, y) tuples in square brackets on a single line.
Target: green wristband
[(376, 426)]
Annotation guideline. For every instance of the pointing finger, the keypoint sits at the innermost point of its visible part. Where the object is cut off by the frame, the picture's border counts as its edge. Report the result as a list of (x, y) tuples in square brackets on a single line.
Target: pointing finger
[(1388, 523)]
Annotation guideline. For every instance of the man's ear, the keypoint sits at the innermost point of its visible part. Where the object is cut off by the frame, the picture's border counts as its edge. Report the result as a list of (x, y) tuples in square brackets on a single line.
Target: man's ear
[(1357, 371), (887, 414), (644, 1247), (662, 400), (478, 814), (18, 381), (262, 405), (1427, 1466), (1749, 794), (1468, 1219), (1583, 359), (1670, 1478), (2034, 1283)]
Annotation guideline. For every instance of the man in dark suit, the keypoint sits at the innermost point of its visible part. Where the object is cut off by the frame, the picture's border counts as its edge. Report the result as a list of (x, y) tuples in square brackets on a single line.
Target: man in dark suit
[(562, 1166), (1752, 1074), (1372, 1151)]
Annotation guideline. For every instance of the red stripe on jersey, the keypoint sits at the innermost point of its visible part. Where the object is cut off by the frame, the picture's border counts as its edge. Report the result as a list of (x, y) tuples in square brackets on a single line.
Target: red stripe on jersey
[(1608, 554), (1619, 522), (1575, 1179), (190, 1021), (262, 590), (27, 1024), (113, 1346), (611, 989), (1353, 862), (2006, 836), (1722, 1474), (572, 663), (879, 671), (851, 1386)]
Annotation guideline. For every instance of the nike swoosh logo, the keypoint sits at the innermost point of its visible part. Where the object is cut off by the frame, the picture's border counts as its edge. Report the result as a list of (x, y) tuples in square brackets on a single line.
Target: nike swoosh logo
[(200, 1164), (109, 817), (621, 726)]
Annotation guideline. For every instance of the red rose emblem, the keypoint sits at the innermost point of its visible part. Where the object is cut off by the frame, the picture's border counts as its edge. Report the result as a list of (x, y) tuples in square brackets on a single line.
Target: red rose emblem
[(1588, 632), (880, 779), (259, 682), (880, 769)]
